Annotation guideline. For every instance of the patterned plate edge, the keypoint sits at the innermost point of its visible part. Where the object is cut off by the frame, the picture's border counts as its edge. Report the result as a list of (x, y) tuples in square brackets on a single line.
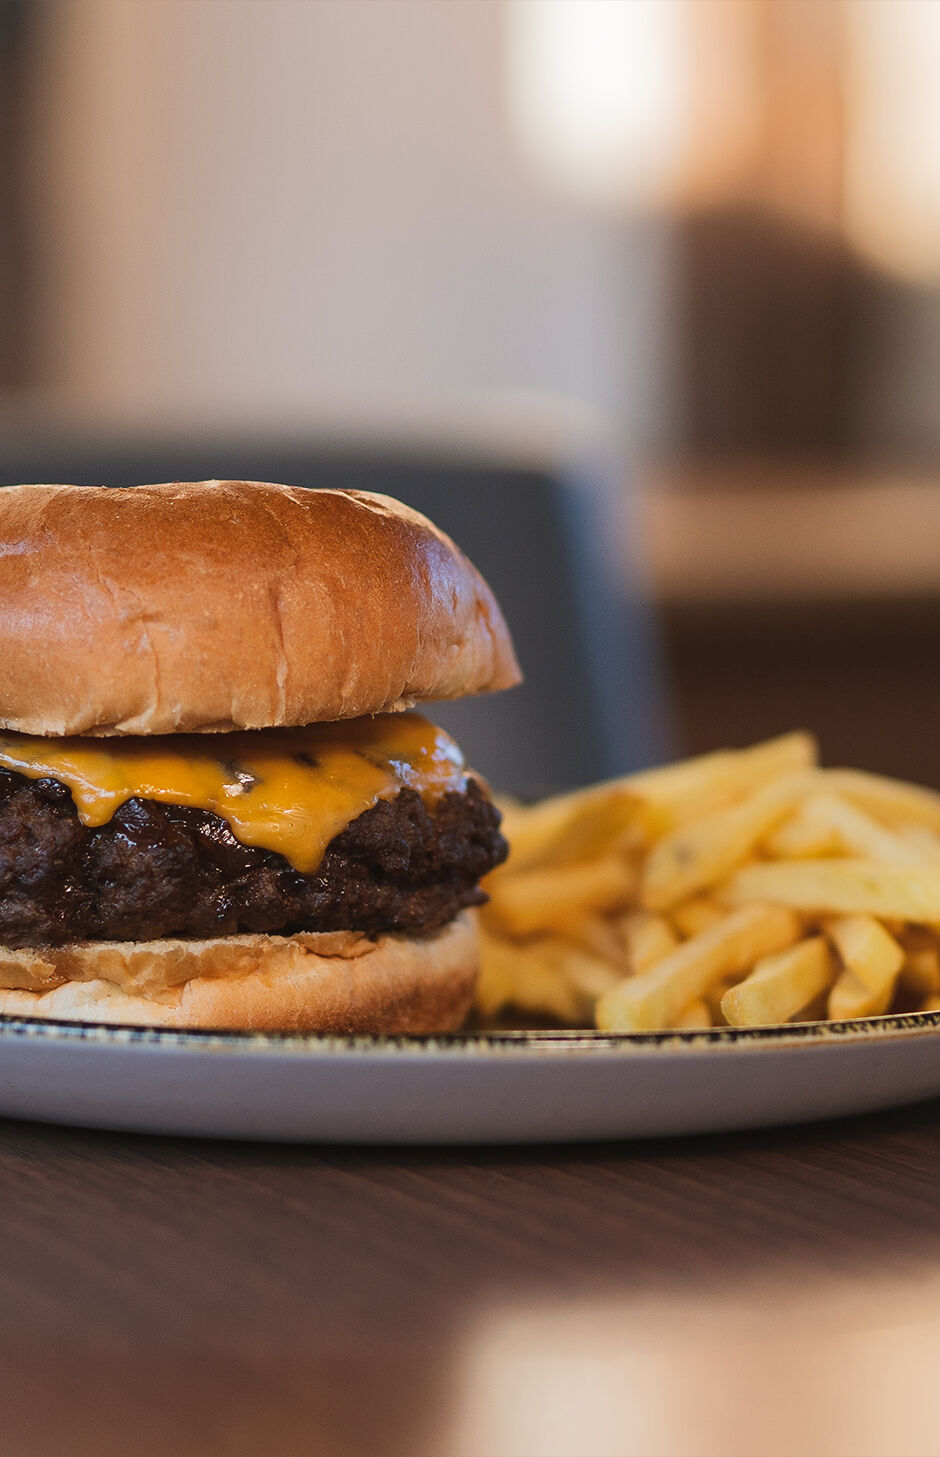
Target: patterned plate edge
[(463, 1044)]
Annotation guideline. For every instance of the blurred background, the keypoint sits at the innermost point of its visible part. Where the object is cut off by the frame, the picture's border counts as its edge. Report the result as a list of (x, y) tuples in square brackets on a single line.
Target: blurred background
[(679, 259)]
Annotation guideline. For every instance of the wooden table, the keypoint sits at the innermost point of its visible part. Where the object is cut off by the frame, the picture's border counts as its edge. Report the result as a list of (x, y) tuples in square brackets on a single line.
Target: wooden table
[(775, 1293)]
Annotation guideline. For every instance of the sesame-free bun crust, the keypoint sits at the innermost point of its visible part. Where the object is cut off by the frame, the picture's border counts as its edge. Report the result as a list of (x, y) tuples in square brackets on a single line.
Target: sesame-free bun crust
[(340, 982), (221, 605)]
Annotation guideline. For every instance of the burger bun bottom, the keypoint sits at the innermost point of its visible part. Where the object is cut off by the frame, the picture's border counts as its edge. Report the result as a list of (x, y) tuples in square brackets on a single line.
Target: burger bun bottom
[(336, 982)]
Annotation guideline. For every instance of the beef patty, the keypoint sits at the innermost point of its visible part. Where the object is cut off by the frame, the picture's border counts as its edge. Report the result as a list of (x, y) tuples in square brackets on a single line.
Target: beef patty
[(165, 870)]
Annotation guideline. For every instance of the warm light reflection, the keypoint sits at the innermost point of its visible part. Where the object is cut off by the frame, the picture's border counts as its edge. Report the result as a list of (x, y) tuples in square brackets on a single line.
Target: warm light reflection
[(599, 92), (829, 1365), (892, 165), (828, 114), (637, 102)]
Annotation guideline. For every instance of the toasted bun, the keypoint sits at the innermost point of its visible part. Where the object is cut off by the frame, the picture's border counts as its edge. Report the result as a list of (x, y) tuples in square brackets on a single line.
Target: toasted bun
[(330, 982), (231, 604)]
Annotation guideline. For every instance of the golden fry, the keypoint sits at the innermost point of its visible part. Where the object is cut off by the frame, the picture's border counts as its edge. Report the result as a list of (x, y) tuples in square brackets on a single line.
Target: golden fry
[(871, 959), (542, 900), (696, 1014), (648, 938), (655, 998), (801, 837), (599, 936), (588, 975), (679, 792), (745, 886), (924, 840), (495, 980), (857, 833), (696, 915), (529, 978), (891, 800), (781, 985), (841, 887), (696, 856), (570, 828), (713, 998), (920, 974)]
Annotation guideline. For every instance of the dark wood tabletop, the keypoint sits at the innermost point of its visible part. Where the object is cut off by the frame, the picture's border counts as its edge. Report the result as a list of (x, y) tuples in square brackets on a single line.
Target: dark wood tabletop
[(769, 1293)]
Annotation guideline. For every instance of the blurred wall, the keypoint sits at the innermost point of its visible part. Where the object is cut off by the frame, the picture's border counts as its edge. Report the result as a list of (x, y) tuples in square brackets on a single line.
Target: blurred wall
[(15, 252), (279, 202), (311, 206)]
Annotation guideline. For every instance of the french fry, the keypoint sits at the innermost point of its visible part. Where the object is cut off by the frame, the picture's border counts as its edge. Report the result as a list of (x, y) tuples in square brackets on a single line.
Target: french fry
[(696, 856), (851, 998), (529, 978), (696, 915), (926, 841), (828, 824), (495, 980), (814, 1011), (680, 792), (781, 985), (920, 973), (648, 939), (588, 975), (840, 887), (598, 935), (713, 996), (696, 1014), (541, 900), (871, 959), (891, 800), (570, 828), (745, 886), (802, 837), (655, 998), (857, 833)]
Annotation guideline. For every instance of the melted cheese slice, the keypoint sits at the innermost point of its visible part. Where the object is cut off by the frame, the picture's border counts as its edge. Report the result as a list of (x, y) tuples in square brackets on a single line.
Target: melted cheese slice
[(289, 790)]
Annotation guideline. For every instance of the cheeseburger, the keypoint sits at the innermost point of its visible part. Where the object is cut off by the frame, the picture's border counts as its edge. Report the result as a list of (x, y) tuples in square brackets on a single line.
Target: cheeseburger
[(216, 807)]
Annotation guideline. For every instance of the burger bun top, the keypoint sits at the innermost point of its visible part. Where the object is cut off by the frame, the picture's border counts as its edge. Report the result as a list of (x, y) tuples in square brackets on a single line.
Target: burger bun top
[(217, 605)]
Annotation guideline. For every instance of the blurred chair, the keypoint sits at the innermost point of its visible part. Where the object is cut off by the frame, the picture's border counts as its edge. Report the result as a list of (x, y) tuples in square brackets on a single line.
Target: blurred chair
[(593, 703)]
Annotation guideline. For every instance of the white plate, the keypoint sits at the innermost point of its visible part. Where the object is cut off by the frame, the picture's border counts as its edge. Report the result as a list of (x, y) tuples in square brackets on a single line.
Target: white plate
[(492, 1088)]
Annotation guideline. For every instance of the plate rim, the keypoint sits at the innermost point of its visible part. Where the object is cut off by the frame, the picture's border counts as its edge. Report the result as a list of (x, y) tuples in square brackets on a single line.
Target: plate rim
[(477, 1044)]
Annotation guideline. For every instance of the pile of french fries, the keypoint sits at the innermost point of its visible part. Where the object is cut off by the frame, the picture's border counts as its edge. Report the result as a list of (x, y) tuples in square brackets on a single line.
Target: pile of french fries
[(744, 888)]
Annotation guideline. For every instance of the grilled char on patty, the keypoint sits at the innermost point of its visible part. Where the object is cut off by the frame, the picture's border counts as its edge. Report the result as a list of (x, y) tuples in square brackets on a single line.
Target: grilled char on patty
[(167, 870)]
